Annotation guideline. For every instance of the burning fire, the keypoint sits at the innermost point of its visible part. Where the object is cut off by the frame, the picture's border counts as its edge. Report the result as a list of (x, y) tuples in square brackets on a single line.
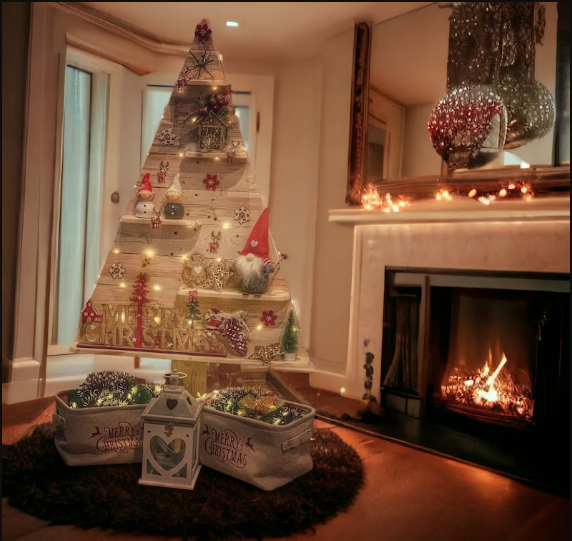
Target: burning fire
[(497, 391)]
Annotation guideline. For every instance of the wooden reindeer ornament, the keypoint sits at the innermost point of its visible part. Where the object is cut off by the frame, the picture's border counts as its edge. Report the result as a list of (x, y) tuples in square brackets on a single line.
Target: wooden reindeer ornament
[(215, 239), (156, 220), (162, 174)]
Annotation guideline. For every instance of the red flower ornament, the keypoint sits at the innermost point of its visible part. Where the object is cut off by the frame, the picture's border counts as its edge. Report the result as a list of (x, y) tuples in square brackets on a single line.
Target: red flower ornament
[(211, 183), (269, 318), (202, 33)]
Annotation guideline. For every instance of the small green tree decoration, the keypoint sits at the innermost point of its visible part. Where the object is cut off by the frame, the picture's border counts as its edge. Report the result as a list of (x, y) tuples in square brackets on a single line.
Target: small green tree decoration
[(194, 312), (290, 335)]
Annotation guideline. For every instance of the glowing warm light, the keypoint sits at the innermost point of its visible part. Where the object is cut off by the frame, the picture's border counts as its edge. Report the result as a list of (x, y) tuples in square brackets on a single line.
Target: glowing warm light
[(469, 382), (485, 201), (503, 193), (122, 317), (259, 328), (219, 259), (512, 186), (231, 23), (157, 288), (122, 284), (524, 189), (216, 159), (343, 390), (371, 200), (116, 251), (215, 87), (525, 165), (472, 193), (149, 253), (226, 225), (527, 196), (180, 154), (444, 195)]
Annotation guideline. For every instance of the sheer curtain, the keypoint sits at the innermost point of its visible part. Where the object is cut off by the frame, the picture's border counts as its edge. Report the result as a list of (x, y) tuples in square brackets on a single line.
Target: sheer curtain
[(74, 203)]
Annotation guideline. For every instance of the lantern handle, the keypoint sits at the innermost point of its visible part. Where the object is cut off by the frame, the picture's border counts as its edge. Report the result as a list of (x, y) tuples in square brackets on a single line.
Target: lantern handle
[(176, 375)]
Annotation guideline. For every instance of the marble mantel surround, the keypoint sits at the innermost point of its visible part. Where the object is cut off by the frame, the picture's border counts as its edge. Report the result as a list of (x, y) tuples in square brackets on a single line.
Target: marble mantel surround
[(463, 234)]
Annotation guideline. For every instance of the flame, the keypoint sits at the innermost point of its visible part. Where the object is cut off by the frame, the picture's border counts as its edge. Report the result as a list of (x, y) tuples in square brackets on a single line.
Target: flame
[(494, 391)]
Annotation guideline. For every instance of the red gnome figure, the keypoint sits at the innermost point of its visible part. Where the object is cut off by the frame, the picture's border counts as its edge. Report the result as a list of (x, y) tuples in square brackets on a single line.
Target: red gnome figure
[(252, 265)]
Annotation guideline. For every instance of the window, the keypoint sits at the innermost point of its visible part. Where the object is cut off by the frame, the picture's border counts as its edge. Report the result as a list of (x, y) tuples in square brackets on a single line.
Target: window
[(83, 156)]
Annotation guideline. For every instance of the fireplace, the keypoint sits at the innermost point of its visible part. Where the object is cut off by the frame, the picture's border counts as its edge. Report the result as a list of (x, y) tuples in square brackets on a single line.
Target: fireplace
[(443, 258), (484, 356)]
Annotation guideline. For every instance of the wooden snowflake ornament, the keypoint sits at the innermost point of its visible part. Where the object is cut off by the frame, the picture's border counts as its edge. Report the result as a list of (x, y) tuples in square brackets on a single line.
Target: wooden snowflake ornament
[(117, 270), (266, 353), (242, 215)]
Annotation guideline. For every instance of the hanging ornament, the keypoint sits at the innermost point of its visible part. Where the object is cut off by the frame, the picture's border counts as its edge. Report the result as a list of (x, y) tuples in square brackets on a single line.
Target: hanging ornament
[(200, 64), (231, 325), (181, 82), (156, 220), (117, 270), (203, 32), (162, 174), (215, 239), (211, 182), (468, 126), (530, 111), (231, 154), (266, 353), (242, 215), (167, 137), (269, 318)]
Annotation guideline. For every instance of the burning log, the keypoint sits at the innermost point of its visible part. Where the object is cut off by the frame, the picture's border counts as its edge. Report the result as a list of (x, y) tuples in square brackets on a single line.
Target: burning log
[(497, 392)]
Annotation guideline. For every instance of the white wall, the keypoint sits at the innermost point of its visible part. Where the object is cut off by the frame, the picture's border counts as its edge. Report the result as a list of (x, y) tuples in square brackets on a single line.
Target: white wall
[(334, 242), (419, 156)]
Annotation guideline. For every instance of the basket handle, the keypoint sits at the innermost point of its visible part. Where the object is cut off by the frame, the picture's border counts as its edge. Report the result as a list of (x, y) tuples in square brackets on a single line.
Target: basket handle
[(59, 420), (297, 440)]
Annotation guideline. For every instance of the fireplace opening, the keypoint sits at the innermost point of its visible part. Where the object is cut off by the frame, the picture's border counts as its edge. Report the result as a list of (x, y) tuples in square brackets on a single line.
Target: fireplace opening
[(477, 366), (491, 363)]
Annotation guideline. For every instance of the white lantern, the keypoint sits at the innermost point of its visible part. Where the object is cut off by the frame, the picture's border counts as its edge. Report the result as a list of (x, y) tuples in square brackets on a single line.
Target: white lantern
[(171, 438)]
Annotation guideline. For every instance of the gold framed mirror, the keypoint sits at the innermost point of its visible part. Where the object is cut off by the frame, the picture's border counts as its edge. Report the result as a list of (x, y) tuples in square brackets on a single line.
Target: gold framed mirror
[(408, 73)]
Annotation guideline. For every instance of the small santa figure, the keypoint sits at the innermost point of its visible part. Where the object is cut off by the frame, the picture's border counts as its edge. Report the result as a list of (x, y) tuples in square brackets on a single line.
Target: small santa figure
[(174, 209), (252, 266), (145, 207)]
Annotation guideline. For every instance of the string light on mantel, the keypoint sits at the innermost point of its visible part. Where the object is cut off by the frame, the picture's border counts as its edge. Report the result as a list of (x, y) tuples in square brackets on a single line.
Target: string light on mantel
[(488, 198), (372, 200)]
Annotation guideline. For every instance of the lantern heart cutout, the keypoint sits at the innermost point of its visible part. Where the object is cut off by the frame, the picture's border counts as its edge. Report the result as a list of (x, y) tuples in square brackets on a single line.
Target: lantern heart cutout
[(171, 403), (254, 243), (166, 455), (198, 269)]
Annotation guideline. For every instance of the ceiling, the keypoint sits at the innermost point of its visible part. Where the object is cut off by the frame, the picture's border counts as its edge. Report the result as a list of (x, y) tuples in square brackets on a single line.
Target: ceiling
[(268, 30)]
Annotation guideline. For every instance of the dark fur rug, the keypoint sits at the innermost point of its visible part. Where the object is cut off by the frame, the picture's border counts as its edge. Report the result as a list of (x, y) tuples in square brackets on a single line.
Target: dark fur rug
[(36, 480)]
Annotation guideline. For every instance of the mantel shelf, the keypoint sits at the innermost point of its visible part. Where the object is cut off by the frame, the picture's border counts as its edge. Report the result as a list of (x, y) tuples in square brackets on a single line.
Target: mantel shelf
[(460, 210), (130, 219)]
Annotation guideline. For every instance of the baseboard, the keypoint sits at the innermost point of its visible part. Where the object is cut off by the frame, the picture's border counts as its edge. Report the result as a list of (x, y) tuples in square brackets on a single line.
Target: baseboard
[(23, 384)]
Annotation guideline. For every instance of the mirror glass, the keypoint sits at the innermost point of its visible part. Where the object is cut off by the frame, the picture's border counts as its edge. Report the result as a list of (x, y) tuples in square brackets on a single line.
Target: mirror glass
[(408, 75)]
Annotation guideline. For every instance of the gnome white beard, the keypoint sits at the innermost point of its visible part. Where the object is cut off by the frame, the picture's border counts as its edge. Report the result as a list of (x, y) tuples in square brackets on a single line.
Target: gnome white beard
[(250, 269)]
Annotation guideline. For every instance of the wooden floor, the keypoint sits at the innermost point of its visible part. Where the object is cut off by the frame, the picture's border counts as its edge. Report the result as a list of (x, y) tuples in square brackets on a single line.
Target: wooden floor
[(409, 496)]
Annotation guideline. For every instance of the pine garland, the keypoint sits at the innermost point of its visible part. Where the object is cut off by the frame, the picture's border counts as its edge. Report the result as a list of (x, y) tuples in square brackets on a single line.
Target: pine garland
[(101, 389)]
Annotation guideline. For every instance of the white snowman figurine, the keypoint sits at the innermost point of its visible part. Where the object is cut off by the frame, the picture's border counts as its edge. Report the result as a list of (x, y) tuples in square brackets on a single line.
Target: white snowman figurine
[(145, 207)]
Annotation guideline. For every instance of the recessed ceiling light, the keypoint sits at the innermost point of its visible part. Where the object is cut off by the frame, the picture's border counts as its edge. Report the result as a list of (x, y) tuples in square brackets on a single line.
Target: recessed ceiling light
[(231, 23)]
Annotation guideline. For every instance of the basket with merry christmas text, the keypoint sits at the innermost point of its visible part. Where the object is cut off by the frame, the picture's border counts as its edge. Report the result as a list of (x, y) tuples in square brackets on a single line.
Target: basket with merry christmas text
[(256, 436), (100, 422)]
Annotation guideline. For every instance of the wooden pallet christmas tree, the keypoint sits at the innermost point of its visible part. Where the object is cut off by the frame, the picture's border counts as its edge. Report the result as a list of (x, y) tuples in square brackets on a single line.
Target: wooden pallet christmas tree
[(194, 273)]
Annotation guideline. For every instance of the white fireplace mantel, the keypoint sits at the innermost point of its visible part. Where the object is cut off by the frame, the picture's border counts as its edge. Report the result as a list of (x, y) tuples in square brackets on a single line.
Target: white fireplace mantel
[(460, 235), (459, 210)]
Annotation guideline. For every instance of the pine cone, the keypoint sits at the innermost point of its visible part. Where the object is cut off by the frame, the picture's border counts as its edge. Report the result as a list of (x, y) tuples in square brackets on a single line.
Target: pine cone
[(235, 335)]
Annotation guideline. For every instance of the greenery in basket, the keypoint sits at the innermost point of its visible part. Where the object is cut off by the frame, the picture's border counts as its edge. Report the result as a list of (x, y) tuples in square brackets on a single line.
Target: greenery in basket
[(101, 389), (260, 404)]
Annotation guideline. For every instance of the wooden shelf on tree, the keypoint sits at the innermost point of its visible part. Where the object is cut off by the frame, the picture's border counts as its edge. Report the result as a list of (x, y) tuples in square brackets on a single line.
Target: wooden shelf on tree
[(240, 156), (301, 364), (130, 219), (278, 295)]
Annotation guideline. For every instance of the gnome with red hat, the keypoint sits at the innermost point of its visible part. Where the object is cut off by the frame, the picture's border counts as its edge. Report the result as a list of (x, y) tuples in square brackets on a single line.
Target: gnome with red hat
[(145, 207), (252, 266)]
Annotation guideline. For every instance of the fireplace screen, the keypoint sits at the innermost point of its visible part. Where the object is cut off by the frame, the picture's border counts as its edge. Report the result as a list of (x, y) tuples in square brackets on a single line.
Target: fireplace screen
[(491, 356)]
